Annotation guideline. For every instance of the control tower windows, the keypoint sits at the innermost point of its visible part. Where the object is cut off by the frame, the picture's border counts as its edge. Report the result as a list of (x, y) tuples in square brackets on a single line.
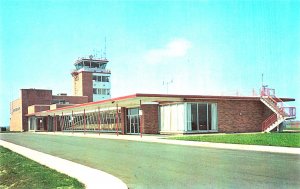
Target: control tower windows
[(95, 91), (101, 91), (101, 78)]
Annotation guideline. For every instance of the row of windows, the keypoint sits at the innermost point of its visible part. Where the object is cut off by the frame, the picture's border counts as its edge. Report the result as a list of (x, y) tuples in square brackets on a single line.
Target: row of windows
[(101, 78), (101, 91), (189, 117)]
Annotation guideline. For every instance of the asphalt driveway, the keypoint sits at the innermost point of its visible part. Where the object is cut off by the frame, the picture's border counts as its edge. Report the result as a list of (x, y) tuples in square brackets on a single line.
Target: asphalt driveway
[(154, 165)]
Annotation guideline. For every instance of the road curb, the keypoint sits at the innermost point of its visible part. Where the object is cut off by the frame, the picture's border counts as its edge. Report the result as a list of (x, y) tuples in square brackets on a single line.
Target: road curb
[(92, 178)]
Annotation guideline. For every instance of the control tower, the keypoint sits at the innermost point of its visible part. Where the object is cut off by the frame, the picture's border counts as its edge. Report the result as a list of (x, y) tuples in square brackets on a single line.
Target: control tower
[(91, 78)]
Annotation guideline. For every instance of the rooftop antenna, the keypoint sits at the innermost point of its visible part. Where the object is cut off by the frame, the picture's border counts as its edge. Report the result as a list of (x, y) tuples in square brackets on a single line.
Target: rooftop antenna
[(104, 53), (262, 79), (167, 83), (95, 53)]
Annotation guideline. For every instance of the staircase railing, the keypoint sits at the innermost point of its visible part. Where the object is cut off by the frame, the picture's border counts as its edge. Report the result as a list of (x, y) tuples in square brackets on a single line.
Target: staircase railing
[(290, 111), (278, 105), (269, 121)]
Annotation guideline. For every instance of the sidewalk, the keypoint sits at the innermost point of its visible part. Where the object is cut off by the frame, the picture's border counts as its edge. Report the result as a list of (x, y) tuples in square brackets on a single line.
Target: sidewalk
[(92, 178), (162, 139)]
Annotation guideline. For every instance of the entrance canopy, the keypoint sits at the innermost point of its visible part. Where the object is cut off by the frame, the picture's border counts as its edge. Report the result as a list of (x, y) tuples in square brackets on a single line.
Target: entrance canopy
[(135, 100)]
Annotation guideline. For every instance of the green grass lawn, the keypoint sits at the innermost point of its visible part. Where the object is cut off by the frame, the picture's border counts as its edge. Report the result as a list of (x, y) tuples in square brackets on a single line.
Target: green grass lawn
[(268, 139), (17, 171)]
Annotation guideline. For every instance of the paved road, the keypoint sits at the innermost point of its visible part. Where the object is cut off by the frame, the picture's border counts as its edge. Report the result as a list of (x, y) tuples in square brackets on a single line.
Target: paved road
[(153, 165)]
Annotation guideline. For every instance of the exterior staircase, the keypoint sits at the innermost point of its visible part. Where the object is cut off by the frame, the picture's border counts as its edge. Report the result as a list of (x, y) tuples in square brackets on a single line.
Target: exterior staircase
[(281, 112)]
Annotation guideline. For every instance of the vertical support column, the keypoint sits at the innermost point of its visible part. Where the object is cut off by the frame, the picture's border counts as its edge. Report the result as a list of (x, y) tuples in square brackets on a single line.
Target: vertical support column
[(62, 122), (117, 116), (84, 119), (48, 121), (140, 117), (99, 120), (123, 122), (55, 123), (39, 124), (29, 123), (72, 122)]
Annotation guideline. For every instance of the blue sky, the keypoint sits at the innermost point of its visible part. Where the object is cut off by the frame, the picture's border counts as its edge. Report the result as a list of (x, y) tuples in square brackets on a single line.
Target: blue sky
[(205, 47)]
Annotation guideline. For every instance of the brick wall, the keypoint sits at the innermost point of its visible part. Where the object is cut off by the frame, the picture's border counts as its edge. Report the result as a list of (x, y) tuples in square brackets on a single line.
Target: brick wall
[(37, 108), (33, 96), (55, 106), (149, 119), (241, 116), (71, 99)]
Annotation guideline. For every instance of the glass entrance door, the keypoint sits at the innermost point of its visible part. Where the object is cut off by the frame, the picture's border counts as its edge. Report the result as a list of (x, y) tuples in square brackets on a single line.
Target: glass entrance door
[(133, 121)]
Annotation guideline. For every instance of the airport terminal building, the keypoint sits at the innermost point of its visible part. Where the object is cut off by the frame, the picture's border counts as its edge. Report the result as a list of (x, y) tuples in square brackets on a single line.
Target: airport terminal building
[(91, 109)]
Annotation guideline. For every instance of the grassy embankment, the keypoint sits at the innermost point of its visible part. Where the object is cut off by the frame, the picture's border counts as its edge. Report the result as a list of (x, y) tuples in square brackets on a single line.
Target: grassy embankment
[(17, 171), (267, 139)]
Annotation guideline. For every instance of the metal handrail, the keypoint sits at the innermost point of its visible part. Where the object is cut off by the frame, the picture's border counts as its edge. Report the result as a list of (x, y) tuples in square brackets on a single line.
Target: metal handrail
[(269, 121), (278, 105)]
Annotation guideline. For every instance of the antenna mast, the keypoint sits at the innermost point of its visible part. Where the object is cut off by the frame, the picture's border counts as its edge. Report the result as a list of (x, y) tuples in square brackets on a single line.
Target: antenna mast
[(167, 83), (104, 53)]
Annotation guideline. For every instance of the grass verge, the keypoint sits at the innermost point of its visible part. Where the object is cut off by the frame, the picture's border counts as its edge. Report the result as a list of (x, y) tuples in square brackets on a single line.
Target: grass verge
[(267, 139), (17, 171)]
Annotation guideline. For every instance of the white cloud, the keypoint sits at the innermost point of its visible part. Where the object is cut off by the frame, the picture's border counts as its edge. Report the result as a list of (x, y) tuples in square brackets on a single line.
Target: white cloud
[(175, 49)]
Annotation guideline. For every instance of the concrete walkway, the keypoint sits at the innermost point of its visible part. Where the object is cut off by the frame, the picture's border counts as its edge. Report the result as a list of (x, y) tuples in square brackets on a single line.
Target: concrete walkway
[(162, 139), (92, 178)]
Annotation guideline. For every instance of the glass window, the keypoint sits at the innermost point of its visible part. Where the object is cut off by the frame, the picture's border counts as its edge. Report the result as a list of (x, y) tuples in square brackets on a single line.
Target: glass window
[(209, 116), (105, 78), (202, 116), (94, 77), (194, 113), (94, 91)]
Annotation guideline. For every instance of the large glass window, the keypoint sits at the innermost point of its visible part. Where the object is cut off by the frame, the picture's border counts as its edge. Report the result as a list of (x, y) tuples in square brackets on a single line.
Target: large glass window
[(172, 117), (188, 117), (194, 118), (201, 117)]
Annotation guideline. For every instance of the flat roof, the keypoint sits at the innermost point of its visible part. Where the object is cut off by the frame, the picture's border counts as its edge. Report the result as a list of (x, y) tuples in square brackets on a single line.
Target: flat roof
[(135, 100)]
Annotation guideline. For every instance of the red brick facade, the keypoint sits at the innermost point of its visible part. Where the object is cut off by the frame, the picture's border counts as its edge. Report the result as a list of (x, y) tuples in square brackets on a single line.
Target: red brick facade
[(234, 114), (71, 99), (149, 119), (30, 97), (36, 100), (241, 116), (37, 108)]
